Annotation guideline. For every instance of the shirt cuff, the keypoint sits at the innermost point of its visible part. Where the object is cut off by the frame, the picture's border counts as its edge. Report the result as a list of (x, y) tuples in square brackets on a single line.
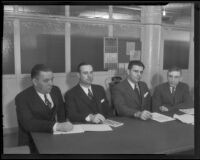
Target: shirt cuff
[(88, 118), (54, 127)]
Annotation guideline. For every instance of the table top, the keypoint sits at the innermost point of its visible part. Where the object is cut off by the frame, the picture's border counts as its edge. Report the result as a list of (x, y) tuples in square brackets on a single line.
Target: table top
[(134, 137)]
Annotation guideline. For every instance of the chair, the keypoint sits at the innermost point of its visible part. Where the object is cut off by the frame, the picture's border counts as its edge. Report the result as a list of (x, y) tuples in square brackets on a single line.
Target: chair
[(16, 150), (115, 80)]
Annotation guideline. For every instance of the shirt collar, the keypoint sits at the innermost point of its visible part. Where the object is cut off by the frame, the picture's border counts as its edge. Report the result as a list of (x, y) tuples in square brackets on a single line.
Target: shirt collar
[(131, 83), (85, 89)]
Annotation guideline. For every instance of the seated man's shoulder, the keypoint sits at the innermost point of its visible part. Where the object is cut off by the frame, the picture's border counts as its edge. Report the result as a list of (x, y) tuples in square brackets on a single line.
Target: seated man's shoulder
[(183, 85), (97, 86), (160, 86), (25, 93), (71, 91), (56, 88)]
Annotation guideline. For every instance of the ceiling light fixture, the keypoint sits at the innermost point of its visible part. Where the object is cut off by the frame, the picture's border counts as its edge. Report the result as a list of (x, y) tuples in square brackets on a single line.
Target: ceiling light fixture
[(164, 12)]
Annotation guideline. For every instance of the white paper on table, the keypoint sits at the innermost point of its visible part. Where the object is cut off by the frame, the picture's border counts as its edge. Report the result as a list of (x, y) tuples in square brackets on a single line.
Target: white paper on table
[(76, 129), (160, 117), (112, 123), (185, 118), (188, 111), (96, 127)]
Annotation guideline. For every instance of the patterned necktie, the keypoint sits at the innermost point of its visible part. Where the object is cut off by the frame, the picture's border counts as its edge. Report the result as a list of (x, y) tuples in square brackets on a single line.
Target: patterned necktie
[(47, 102), (90, 95)]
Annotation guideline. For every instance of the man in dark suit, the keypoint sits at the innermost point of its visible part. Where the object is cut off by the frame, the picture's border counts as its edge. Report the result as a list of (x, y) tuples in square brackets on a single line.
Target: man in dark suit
[(40, 108), (87, 102), (172, 94), (131, 97)]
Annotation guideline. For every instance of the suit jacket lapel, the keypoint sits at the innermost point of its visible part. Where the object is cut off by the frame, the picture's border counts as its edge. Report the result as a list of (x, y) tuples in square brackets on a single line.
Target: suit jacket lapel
[(141, 93), (39, 101), (131, 92), (96, 99), (84, 97), (54, 99)]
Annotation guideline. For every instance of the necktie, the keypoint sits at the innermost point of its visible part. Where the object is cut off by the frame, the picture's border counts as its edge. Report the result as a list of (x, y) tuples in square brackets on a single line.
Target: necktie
[(90, 95), (137, 91), (173, 93), (47, 102)]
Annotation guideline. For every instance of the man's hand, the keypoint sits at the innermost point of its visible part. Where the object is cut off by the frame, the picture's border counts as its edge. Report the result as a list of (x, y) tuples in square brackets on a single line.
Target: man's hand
[(163, 109), (64, 126), (144, 115), (97, 118)]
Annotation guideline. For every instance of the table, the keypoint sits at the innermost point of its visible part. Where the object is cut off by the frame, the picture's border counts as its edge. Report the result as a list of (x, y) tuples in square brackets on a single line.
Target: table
[(134, 137)]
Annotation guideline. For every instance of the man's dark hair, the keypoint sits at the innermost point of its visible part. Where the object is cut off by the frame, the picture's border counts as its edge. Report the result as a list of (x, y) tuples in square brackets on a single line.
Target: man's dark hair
[(37, 69), (135, 62), (82, 64), (175, 68)]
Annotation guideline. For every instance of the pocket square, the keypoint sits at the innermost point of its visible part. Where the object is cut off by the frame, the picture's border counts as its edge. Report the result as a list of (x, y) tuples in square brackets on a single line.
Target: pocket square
[(146, 94), (102, 100)]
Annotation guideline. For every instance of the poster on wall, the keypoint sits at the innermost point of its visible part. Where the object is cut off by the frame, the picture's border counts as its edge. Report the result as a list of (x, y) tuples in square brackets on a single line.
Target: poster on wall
[(110, 53), (130, 50)]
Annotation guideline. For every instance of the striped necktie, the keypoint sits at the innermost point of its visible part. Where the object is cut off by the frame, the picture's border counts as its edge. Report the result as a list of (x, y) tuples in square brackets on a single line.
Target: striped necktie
[(47, 102), (90, 95)]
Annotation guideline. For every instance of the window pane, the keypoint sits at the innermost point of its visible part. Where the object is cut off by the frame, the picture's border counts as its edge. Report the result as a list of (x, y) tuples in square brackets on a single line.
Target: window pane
[(42, 42), (87, 45), (47, 9), (132, 13), (129, 43), (100, 12), (176, 49), (8, 48), (8, 8), (177, 14)]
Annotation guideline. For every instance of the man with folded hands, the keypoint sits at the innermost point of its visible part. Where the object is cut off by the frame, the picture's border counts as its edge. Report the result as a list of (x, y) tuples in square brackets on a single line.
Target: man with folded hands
[(132, 97), (87, 102), (172, 94)]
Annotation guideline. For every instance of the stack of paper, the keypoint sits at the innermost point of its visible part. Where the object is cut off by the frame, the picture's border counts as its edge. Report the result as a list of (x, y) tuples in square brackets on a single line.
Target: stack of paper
[(185, 118), (160, 117), (76, 129), (80, 128), (96, 127), (112, 123), (188, 111)]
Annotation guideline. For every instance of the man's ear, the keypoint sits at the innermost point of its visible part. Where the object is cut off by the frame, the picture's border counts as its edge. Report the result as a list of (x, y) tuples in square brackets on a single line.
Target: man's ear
[(181, 78), (78, 75), (34, 81), (128, 72)]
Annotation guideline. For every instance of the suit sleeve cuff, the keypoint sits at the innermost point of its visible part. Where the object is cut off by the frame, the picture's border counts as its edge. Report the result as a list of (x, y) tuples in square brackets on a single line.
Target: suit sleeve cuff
[(54, 127), (88, 118)]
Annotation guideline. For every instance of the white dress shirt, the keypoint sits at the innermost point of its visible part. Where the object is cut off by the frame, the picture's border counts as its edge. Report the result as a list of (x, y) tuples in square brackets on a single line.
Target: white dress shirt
[(48, 97), (52, 104), (85, 89), (132, 84)]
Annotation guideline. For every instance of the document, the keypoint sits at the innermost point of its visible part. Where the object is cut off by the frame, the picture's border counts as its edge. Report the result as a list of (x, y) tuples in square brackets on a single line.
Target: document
[(112, 123), (80, 128), (76, 129), (161, 118), (188, 111), (185, 118), (96, 127)]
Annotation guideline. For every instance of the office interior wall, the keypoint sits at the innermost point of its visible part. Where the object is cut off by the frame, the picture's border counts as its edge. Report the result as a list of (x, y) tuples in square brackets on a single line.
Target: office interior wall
[(152, 55)]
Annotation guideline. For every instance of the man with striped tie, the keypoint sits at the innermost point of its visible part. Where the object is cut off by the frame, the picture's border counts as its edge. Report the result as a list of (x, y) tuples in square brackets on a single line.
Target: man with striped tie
[(40, 107)]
